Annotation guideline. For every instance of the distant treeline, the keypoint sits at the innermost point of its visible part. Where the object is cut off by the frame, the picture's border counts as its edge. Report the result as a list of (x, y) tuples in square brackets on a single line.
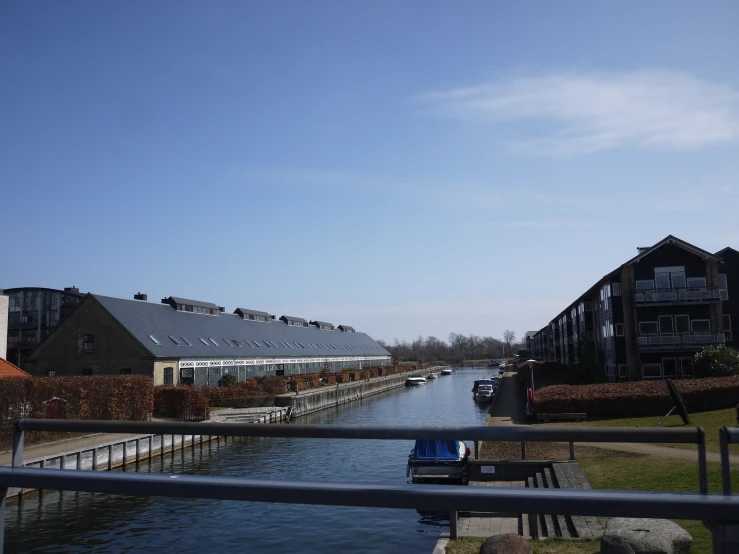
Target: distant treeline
[(459, 347)]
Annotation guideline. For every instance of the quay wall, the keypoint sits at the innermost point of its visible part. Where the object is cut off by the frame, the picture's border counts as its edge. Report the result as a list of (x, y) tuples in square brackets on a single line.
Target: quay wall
[(329, 397)]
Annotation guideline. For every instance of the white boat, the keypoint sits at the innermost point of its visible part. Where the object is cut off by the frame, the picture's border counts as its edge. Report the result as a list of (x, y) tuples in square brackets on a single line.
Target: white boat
[(447, 371), (432, 375), (415, 381), (437, 460), (484, 390)]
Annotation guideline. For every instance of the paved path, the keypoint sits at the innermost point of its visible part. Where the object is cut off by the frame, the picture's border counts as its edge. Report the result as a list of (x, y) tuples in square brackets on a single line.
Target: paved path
[(51, 448), (509, 408), (479, 525)]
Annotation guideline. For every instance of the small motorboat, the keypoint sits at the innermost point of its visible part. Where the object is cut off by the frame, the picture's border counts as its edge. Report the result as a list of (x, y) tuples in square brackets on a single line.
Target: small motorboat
[(498, 374), (484, 390), (415, 381), (494, 364), (438, 460), (447, 371), (432, 375)]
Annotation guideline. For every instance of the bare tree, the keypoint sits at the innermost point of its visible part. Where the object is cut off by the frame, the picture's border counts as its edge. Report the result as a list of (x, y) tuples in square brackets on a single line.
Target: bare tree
[(509, 337)]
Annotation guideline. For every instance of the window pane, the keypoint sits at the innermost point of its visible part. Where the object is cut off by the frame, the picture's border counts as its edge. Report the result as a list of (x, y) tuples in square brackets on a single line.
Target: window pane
[(696, 281), (665, 324), (641, 285), (669, 367), (678, 280), (648, 327), (686, 367), (682, 324), (700, 325), (652, 370), (662, 280)]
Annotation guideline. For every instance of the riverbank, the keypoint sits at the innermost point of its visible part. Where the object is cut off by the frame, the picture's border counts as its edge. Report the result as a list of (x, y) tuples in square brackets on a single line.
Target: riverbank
[(311, 401)]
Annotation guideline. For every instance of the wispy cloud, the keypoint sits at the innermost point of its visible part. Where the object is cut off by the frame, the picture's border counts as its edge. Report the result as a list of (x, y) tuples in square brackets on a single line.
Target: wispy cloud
[(592, 112)]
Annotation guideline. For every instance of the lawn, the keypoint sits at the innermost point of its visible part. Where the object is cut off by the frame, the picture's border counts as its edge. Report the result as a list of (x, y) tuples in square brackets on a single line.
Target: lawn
[(710, 421), (471, 545)]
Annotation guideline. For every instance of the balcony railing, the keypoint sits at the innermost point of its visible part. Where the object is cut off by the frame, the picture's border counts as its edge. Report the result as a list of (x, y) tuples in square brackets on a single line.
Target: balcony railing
[(686, 295), (663, 341)]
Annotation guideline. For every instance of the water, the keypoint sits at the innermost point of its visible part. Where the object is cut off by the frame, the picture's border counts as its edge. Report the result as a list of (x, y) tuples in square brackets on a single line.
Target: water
[(83, 522)]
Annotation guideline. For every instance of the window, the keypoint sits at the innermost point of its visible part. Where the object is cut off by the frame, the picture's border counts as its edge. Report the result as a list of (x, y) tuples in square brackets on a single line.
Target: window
[(669, 367), (125, 371), (257, 343), (652, 371), (228, 342), (175, 340), (154, 340), (616, 287), (168, 376), (662, 280), (696, 282), (723, 286), (266, 342), (686, 367), (619, 329), (51, 373), (727, 326), (682, 324), (648, 328), (237, 343), (187, 342), (623, 371), (665, 324), (89, 344), (205, 342), (644, 285), (678, 280), (87, 371), (211, 339), (188, 308), (700, 325)]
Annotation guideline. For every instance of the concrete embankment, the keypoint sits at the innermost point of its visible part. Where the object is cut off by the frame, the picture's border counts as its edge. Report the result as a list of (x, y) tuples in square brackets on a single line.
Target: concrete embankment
[(328, 397)]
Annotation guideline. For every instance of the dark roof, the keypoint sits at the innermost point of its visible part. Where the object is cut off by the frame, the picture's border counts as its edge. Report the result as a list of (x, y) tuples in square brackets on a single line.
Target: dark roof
[(178, 300), (159, 320), (17, 289), (346, 328), (324, 323), (291, 318), (726, 250), (669, 239), (242, 311)]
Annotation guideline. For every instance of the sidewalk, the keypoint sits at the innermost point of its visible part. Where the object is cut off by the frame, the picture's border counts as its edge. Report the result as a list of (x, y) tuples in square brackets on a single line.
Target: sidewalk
[(50, 449)]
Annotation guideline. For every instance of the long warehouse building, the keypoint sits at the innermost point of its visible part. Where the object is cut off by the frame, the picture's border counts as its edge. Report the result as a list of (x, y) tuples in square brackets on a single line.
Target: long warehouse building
[(182, 341)]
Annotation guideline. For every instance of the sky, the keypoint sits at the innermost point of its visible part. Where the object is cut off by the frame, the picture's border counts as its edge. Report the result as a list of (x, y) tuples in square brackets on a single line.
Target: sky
[(408, 168)]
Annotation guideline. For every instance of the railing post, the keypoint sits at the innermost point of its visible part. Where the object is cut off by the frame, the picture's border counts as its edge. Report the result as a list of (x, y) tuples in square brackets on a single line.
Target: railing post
[(702, 471), (453, 525), (79, 459), (572, 450), (110, 457), (94, 459), (725, 469), (477, 449), (138, 451), (18, 444), (523, 450), (125, 455)]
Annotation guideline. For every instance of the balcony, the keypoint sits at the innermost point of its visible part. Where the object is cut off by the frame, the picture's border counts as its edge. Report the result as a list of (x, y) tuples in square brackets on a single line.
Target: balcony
[(686, 295), (679, 341)]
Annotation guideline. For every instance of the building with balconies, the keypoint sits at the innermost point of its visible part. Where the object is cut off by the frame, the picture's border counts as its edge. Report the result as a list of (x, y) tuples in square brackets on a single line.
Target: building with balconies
[(650, 316)]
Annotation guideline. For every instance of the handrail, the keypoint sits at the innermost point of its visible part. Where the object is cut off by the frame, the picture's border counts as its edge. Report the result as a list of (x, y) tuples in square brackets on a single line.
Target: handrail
[(728, 435)]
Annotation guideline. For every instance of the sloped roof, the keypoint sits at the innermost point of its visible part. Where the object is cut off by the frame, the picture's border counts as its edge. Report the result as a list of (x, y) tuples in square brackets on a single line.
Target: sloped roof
[(178, 300), (292, 318), (247, 311), (160, 320), (9, 370), (324, 323), (727, 250)]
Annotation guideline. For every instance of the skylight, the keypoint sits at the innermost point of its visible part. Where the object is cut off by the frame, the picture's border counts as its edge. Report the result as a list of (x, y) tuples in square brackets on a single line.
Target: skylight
[(211, 339), (228, 342), (154, 340), (175, 340), (237, 343), (257, 343), (187, 342), (205, 342)]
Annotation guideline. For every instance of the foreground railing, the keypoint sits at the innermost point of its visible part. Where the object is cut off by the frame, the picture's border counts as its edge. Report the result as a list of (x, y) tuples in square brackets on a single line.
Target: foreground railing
[(719, 509)]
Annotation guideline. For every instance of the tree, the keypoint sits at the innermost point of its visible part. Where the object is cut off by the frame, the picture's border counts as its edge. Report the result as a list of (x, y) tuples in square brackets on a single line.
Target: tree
[(509, 337), (716, 361)]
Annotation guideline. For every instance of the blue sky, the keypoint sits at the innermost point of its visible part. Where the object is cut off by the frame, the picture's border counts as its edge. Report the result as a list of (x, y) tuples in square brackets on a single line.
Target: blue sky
[(409, 168)]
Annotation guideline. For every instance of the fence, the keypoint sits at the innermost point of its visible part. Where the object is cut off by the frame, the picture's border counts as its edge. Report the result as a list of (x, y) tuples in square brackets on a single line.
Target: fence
[(721, 511)]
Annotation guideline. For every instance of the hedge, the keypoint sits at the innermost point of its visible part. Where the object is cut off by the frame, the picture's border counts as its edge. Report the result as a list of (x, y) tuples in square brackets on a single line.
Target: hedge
[(182, 402), (126, 397), (639, 398)]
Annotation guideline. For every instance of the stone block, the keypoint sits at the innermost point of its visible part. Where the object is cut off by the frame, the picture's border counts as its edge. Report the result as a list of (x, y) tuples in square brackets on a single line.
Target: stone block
[(644, 536), (510, 543)]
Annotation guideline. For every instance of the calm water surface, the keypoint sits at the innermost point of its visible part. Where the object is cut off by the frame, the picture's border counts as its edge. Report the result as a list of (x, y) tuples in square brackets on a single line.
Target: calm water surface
[(83, 522)]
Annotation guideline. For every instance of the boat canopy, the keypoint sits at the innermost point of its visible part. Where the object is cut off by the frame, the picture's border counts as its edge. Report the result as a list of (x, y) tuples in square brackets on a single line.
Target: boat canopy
[(437, 450)]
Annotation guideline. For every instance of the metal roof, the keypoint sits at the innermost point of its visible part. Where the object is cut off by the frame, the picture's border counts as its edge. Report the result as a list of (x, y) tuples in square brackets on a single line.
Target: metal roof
[(291, 318), (324, 323), (178, 300), (346, 328), (242, 311), (160, 321)]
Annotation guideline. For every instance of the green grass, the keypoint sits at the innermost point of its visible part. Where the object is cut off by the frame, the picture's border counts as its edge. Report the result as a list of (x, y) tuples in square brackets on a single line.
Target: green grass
[(710, 421), (471, 545), (650, 474)]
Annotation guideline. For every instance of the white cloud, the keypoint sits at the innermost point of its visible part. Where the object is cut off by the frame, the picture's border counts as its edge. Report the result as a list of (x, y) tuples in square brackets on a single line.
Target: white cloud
[(660, 110)]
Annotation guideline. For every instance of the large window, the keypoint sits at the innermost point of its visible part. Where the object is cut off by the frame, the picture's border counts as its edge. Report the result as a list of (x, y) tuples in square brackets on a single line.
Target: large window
[(662, 280), (669, 367), (682, 324), (89, 344), (700, 325), (652, 371), (168, 376), (644, 285), (623, 371), (723, 286), (648, 328), (619, 329), (665, 324), (696, 282)]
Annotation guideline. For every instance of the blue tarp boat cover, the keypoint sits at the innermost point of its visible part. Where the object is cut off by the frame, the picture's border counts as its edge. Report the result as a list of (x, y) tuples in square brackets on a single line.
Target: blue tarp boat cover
[(437, 450)]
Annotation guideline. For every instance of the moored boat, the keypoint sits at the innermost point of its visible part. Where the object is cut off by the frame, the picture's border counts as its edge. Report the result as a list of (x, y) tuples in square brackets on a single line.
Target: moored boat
[(438, 460), (484, 390), (415, 381), (432, 375), (447, 371)]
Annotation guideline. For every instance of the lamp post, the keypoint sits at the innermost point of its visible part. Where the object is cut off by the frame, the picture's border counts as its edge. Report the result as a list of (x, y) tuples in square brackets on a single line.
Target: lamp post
[(531, 365)]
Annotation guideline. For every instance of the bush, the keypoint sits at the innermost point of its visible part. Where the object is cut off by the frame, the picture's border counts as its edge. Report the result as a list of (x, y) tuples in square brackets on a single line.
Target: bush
[(716, 361), (640, 398), (228, 380), (123, 398), (244, 394), (181, 401)]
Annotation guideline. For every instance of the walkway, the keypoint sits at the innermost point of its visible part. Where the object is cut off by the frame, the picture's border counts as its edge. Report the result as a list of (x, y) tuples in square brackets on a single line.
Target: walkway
[(483, 525), (50, 449)]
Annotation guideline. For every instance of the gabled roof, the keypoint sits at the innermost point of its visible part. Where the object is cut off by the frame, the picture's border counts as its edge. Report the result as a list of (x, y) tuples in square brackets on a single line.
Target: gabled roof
[(178, 300), (291, 318), (346, 329), (727, 250), (322, 324), (9, 370), (669, 239), (246, 311)]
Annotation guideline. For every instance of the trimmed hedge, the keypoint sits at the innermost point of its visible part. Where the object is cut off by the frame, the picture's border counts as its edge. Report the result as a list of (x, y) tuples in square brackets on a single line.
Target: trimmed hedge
[(182, 401), (123, 398), (639, 398)]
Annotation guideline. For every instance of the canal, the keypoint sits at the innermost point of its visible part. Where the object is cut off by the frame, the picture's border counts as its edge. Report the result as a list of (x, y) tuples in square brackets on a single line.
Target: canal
[(83, 522)]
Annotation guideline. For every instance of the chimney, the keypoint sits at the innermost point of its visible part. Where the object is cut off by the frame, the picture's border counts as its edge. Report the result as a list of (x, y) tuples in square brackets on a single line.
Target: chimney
[(140, 296), (642, 249), (71, 289), (221, 309)]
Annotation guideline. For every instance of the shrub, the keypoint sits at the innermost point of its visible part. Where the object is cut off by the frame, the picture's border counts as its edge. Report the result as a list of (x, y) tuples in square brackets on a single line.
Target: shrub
[(228, 380), (181, 402), (125, 397), (273, 385), (716, 361), (640, 398)]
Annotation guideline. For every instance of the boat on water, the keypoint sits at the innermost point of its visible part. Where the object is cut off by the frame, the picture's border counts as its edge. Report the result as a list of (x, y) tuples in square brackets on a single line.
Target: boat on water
[(438, 460), (432, 375), (447, 371), (494, 364), (415, 381), (498, 374), (484, 390)]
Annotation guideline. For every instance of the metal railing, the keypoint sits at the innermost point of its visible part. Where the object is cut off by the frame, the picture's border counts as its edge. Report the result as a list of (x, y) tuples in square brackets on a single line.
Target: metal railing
[(659, 341), (682, 295), (452, 499), (728, 435)]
